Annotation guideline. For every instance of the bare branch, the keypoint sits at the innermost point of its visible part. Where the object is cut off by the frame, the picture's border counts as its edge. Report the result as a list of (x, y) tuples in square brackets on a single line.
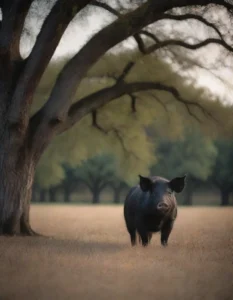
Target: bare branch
[(150, 35), (116, 13), (115, 131), (165, 16), (96, 100), (121, 140), (14, 14), (133, 103), (47, 41), (124, 27), (160, 102), (128, 67), (141, 45), (178, 3), (94, 122), (58, 105), (186, 17), (106, 7), (174, 42), (125, 72), (69, 78)]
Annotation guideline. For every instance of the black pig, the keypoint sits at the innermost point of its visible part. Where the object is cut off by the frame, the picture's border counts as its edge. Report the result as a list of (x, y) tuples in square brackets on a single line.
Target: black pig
[(151, 207)]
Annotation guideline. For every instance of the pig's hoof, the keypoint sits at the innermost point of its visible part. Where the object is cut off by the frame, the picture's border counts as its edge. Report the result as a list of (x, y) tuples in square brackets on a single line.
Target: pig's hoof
[(164, 243), (145, 244)]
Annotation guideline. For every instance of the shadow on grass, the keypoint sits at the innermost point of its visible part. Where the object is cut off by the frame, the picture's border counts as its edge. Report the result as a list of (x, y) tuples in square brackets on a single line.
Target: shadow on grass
[(55, 245)]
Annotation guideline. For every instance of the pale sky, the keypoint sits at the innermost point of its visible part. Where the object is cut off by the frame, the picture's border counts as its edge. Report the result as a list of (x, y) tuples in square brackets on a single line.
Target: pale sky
[(86, 25)]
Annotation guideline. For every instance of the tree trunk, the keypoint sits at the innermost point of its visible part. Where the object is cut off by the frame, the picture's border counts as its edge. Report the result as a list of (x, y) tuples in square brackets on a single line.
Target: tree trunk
[(67, 194), (52, 195), (42, 195), (225, 198), (17, 175), (96, 196), (188, 195), (117, 194)]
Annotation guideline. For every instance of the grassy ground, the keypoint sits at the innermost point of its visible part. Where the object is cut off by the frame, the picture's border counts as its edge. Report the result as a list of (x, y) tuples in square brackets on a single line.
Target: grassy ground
[(89, 257)]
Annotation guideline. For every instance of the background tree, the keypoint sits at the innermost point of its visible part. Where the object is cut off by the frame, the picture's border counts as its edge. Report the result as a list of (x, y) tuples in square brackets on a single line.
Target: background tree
[(97, 173), (193, 154), (222, 175), (25, 136), (118, 185), (69, 183)]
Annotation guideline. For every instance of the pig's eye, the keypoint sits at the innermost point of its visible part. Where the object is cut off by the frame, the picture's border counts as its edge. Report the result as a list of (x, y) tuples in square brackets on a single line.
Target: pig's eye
[(169, 192)]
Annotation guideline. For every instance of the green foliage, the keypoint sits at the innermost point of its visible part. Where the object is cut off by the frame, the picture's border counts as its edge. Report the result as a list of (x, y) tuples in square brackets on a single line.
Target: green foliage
[(222, 174), (193, 154), (125, 136), (97, 170)]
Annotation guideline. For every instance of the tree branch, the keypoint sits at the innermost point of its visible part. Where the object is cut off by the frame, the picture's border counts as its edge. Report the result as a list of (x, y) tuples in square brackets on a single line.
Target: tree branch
[(160, 102), (174, 42), (188, 16), (116, 13), (95, 123), (58, 109), (13, 18), (115, 131), (47, 41), (165, 16), (96, 100), (126, 71), (133, 103), (65, 87), (124, 27), (106, 7), (150, 35)]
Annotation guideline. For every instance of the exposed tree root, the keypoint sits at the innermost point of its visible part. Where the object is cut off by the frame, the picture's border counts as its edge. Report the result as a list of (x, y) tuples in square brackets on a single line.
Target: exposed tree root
[(26, 230)]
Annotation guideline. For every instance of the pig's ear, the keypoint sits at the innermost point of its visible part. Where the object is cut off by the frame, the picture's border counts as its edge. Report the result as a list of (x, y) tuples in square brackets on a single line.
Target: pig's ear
[(177, 184), (145, 183)]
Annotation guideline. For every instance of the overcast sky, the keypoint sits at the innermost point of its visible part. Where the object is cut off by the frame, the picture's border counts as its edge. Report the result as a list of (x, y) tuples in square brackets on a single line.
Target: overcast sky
[(86, 25)]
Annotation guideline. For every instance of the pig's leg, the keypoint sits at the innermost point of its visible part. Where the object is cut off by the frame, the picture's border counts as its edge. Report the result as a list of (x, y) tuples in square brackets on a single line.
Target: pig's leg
[(150, 236), (142, 231), (132, 231), (165, 231)]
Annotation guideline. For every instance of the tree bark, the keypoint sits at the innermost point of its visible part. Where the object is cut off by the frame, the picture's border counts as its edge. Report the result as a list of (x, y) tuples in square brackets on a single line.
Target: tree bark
[(96, 196), (225, 197), (188, 195), (17, 174), (52, 194), (67, 194), (42, 195), (117, 194)]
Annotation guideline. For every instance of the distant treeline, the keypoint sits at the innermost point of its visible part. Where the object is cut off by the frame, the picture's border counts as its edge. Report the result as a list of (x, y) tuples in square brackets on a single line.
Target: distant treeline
[(208, 164)]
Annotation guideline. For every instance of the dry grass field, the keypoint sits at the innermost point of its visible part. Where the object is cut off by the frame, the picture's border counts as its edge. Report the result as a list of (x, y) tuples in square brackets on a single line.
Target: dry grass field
[(88, 256)]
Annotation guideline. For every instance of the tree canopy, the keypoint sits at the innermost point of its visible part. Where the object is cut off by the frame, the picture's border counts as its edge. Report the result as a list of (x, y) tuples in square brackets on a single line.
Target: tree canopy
[(117, 129)]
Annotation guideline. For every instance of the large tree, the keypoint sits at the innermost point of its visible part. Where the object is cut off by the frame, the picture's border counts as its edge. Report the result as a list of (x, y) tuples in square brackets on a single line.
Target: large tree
[(24, 138)]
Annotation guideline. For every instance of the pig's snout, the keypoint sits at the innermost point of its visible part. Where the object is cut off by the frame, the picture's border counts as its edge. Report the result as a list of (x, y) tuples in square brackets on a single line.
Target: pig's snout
[(162, 206)]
